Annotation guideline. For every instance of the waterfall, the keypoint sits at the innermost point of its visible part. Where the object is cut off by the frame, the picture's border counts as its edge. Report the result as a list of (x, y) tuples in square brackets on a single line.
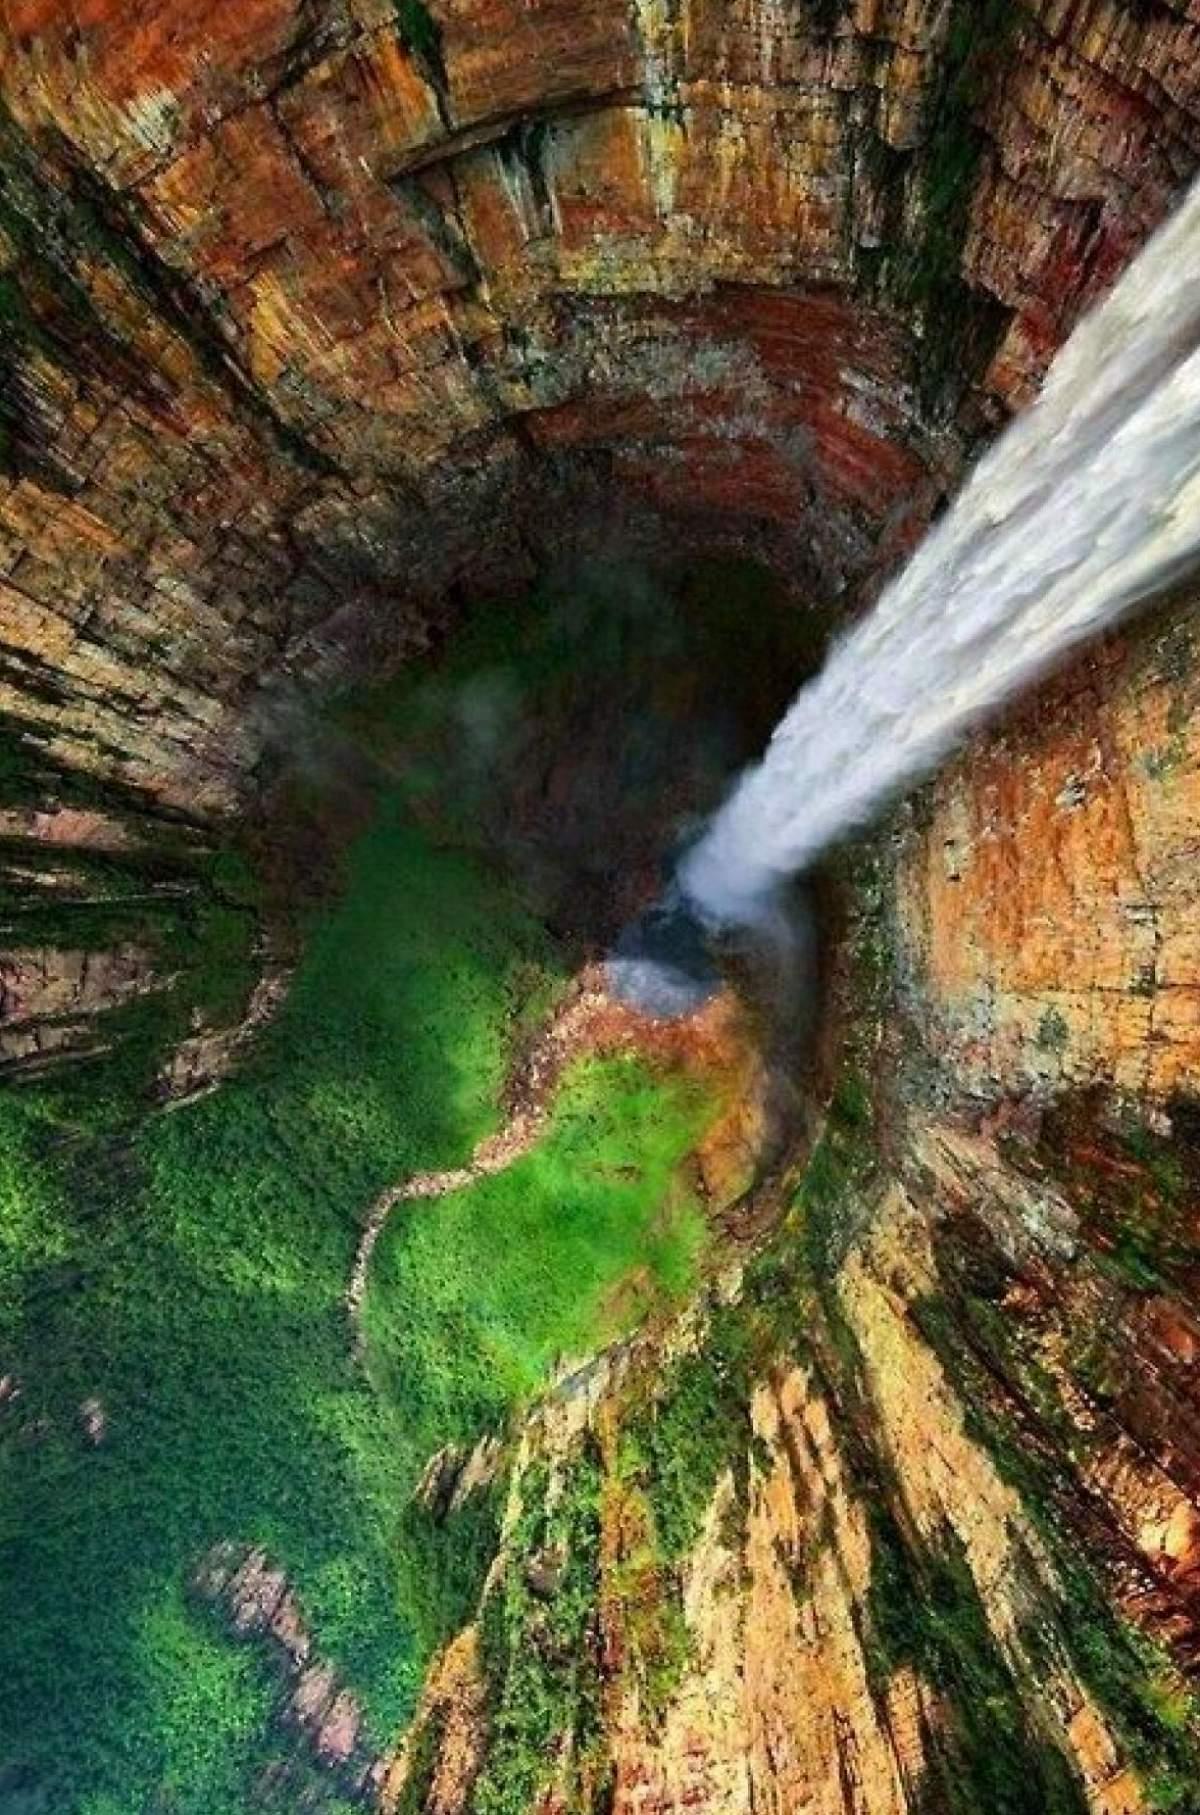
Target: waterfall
[(1088, 503)]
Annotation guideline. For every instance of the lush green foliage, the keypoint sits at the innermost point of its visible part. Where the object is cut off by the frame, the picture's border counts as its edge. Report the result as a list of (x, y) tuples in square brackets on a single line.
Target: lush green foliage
[(440, 1293), (697, 1427), (191, 1278)]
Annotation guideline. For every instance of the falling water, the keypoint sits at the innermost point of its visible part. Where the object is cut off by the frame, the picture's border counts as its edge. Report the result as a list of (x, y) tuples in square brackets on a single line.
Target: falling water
[(1088, 503)]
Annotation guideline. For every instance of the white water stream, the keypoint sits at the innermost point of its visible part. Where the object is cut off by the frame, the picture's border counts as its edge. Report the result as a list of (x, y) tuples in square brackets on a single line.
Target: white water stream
[(1089, 502)]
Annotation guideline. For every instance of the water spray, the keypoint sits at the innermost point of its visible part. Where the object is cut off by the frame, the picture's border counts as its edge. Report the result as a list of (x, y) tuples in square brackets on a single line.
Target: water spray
[(1087, 505)]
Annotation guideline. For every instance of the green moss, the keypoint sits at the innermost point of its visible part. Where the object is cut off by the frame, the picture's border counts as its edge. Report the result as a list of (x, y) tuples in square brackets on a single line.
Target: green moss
[(422, 1764), (924, 1607), (696, 1424), (835, 1179), (671, 1454), (928, 273), (1135, 1189), (1052, 1033), (1152, 1715), (698, 1427), (1155, 1714)]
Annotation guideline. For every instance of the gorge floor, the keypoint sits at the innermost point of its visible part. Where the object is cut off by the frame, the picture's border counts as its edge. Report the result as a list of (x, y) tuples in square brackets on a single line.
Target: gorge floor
[(191, 1282)]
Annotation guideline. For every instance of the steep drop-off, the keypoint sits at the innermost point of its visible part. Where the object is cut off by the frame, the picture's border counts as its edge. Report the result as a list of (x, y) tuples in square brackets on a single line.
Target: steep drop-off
[(326, 323)]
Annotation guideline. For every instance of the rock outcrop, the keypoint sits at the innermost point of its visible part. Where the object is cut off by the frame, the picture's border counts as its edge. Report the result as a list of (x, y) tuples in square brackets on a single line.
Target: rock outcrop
[(259, 1604)]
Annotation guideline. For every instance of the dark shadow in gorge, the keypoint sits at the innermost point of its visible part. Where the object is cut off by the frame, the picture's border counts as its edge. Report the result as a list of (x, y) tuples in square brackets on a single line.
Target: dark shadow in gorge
[(579, 737)]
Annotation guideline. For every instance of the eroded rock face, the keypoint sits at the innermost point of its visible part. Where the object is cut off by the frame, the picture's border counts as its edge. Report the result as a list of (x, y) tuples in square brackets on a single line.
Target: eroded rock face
[(258, 1602), (49, 998), (306, 306), (1049, 899), (319, 320)]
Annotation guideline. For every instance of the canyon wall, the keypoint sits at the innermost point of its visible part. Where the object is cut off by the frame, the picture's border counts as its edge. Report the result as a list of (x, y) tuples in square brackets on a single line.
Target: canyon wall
[(307, 306), (907, 1516), (1048, 899)]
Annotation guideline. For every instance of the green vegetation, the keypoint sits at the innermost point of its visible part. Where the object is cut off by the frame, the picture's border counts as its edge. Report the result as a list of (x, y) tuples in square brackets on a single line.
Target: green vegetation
[(683, 681), (1153, 1711), (924, 1608), (1136, 1190), (28, 773), (698, 1426), (647, 1607), (695, 1422), (425, 1746), (541, 1648), (693, 1425), (192, 912), (924, 271), (1053, 1032), (839, 1170), (670, 1455), (979, 34), (190, 1277), (616, 1217)]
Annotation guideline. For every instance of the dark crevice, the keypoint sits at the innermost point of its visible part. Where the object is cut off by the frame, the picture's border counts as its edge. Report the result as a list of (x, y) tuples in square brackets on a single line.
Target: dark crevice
[(421, 32), (426, 194), (524, 151)]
